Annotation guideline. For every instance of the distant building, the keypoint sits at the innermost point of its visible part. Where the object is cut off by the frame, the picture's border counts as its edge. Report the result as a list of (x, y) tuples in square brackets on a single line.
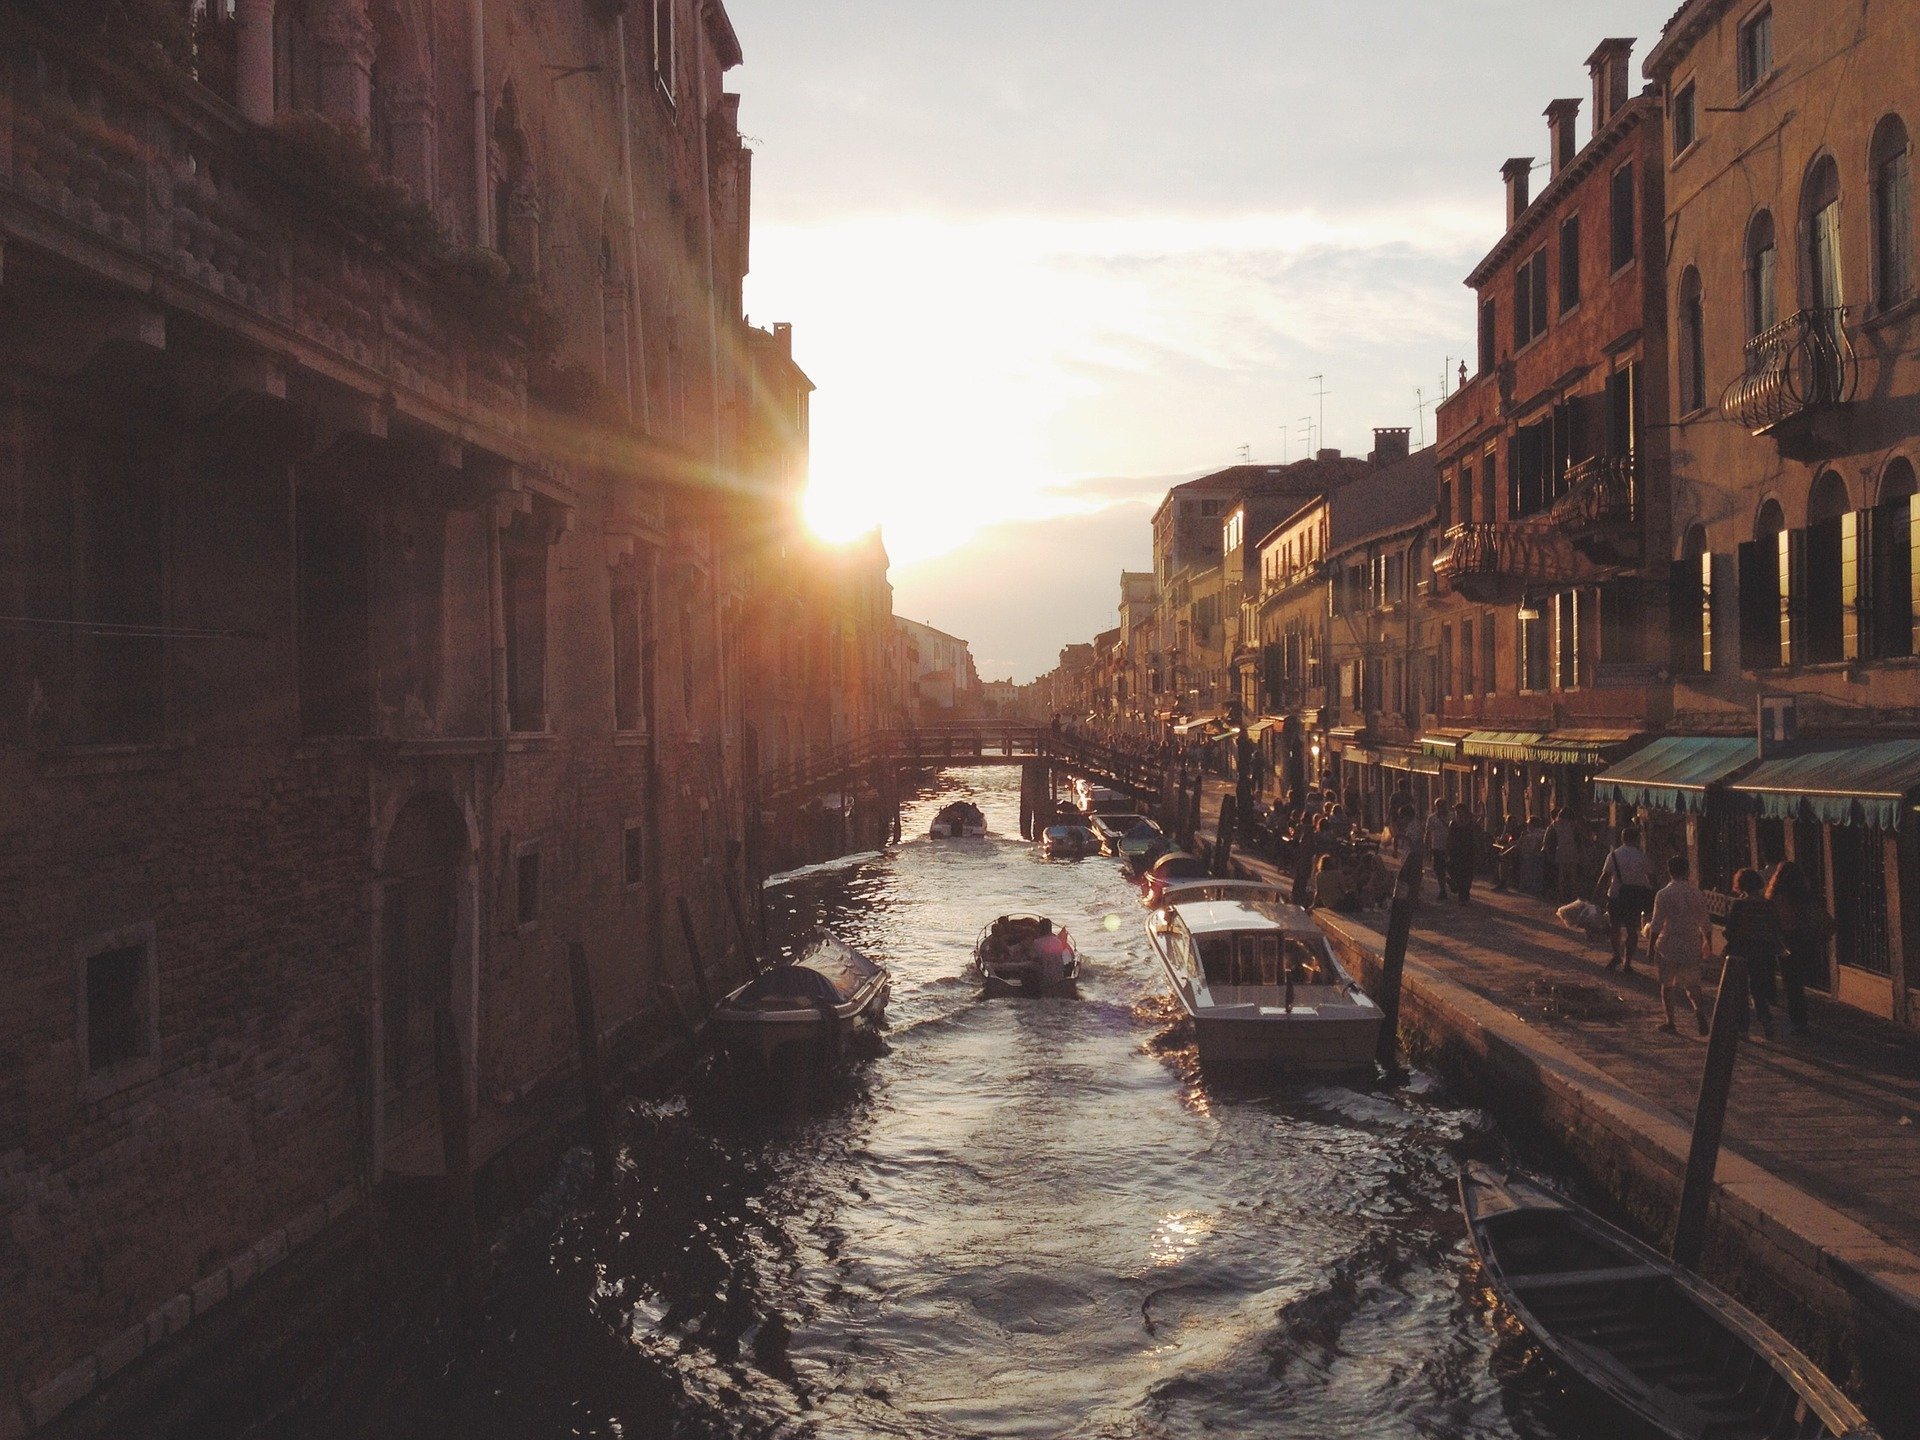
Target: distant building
[(939, 673)]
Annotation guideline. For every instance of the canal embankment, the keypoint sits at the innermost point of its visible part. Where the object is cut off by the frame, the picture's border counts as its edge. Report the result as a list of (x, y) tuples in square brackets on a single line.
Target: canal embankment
[(1814, 1222)]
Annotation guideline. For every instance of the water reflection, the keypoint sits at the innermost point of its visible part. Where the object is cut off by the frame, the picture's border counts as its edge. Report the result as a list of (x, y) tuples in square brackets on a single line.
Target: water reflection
[(1025, 1217)]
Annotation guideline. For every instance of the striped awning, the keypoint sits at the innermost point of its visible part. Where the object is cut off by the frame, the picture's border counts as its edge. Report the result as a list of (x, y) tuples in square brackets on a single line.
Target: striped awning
[(1502, 744), (1562, 747), (1868, 782), (1674, 772)]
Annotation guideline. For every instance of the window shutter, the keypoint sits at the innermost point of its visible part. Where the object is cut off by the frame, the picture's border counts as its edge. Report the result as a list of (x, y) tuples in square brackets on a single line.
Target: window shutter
[(1793, 596), (1853, 538), (1706, 614), (1913, 573), (1683, 618), (1759, 619), (1540, 293)]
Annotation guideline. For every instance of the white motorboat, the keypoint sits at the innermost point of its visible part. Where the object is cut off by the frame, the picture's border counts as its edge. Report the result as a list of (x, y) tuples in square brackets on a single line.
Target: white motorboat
[(1027, 953), (1069, 842), (1259, 979), (813, 1005), (960, 820)]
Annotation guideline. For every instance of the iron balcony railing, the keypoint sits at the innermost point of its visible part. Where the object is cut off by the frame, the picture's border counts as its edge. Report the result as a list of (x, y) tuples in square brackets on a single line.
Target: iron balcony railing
[(1804, 364), (1501, 556), (1603, 493)]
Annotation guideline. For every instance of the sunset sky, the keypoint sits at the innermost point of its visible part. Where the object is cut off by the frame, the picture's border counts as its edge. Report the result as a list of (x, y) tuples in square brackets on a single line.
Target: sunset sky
[(1044, 260)]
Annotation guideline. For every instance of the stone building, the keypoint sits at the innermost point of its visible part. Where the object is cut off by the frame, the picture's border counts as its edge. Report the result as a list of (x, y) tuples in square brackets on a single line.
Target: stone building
[(370, 447), (1795, 543), (940, 681), (1543, 622)]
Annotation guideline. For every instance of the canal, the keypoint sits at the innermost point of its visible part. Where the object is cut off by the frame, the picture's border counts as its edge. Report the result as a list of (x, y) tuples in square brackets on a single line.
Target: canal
[(1022, 1217)]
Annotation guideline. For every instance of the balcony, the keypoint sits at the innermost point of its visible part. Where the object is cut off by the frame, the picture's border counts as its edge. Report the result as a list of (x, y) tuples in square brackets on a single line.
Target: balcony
[(1800, 367), (1600, 510), (1493, 564)]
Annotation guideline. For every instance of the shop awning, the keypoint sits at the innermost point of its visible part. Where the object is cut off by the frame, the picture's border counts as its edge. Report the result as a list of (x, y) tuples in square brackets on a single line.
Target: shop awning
[(1203, 727), (1355, 755), (1442, 744), (1262, 726), (1341, 736), (1673, 772), (1866, 782), (1562, 747)]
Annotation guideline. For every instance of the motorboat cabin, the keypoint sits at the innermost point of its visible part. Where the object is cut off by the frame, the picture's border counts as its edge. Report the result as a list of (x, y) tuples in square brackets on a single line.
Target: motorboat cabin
[(1259, 979)]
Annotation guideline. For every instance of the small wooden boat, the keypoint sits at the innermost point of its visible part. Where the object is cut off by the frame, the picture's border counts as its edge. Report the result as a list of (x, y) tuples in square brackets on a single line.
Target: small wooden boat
[(960, 820), (1069, 842), (1027, 953), (1112, 828), (1686, 1360), (1259, 980), (811, 1006)]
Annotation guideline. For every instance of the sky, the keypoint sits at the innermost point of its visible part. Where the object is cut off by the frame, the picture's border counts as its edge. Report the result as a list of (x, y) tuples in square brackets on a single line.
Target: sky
[(1045, 260)]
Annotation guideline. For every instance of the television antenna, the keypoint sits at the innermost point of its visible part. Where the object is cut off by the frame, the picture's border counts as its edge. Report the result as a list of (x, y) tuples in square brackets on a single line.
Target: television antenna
[(1321, 393)]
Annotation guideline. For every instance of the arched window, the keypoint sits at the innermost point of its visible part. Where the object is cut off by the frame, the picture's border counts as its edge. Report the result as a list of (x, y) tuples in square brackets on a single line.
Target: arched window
[(1763, 299), (1832, 569), (1691, 590), (1766, 594), (1894, 545), (1820, 237), (1892, 213), (1693, 344), (516, 204)]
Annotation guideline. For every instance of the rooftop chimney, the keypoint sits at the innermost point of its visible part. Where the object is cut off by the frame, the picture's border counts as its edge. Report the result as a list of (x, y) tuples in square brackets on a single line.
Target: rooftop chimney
[(1326, 454), (783, 337), (1561, 117), (1608, 66), (1517, 173), (1390, 446)]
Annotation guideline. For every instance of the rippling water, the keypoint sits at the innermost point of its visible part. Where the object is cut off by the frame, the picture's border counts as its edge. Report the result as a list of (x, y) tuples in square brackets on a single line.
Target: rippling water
[(1022, 1217)]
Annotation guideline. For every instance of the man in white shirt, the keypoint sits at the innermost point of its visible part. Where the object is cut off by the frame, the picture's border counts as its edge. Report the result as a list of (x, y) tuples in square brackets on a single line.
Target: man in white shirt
[(1679, 936), (1439, 823), (1626, 889)]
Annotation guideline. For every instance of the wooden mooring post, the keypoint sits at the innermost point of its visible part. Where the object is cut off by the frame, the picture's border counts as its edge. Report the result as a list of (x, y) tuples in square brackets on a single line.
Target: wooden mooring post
[(599, 1138), (1710, 1113), (1193, 807), (695, 958), (456, 1149), (1393, 960), (749, 946), (1222, 862)]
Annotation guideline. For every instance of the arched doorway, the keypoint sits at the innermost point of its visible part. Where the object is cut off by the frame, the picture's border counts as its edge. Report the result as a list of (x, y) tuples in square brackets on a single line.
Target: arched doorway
[(425, 881)]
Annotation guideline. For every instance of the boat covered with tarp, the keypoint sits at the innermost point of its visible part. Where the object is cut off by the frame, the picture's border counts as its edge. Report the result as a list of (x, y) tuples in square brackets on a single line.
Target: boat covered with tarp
[(961, 820), (815, 1002)]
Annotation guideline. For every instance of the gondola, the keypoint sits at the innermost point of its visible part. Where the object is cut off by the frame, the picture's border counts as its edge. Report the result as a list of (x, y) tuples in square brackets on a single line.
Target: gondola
[(960, 820), (809, 1008), (1026, 953), (1686, 1360)]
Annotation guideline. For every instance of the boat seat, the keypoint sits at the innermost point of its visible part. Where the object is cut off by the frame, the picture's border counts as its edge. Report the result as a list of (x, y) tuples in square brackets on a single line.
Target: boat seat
[(1567, 1279)]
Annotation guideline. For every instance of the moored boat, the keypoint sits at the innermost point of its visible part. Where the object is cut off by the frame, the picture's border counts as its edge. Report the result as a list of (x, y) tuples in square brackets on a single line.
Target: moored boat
[(1069, 842), (960, 820), (1173, 867), (812, 1005), (1028, 953), (1259, 981), (1684, 1359)]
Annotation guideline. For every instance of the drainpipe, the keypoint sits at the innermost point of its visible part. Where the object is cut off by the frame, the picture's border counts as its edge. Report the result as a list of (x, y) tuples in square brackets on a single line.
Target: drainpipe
[(482, 209), (496, 624), (255, 61), (637, 341)]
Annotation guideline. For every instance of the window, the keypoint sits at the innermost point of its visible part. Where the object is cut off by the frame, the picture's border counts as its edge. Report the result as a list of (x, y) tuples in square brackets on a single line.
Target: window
[(1446, 660), (1209, 509), (1892, 213), (1566, 640), (1487, 653), (1446, 505), (1820, 235), (1569, 263), (1766, 593), (1756, 48), (1894, 571), (1530, 300), (523, 593), (664, 49), (1489, 336), (1693, 356), (1690, 591), (628, 695), (1832, 547), (633, 856), (1489, 480), (1621, 218), (1685, 119), (1763, 304), (1533, 653), (1468, 657), (526, 874), (1466, 496), (118, 1001)]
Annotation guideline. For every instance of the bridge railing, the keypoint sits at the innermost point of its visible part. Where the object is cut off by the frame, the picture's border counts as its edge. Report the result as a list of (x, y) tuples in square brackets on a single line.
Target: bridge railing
[(946, 741)]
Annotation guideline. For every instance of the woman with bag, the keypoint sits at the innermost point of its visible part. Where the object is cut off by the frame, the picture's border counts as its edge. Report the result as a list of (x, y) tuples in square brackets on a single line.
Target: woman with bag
[(1753, 933), (1806, 927), (1626, 887)]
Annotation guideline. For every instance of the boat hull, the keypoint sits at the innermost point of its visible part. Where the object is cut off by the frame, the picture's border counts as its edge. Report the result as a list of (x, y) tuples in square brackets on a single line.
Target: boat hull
[(1318, 1042), (783, 1037)]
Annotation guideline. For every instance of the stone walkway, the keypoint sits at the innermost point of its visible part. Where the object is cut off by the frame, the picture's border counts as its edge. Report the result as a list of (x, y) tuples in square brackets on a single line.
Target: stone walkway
[(1836, 1113)]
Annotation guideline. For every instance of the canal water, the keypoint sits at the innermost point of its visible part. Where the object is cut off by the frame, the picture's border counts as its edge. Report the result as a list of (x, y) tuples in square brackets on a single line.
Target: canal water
[(1018, 1218)]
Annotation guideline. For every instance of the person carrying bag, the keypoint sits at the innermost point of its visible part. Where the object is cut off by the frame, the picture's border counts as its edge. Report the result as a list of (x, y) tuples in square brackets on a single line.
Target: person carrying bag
[(1626, 889)]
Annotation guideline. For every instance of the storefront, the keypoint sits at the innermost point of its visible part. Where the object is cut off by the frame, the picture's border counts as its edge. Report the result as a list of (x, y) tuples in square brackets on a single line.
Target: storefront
[(1675, 787), (1521, 775)]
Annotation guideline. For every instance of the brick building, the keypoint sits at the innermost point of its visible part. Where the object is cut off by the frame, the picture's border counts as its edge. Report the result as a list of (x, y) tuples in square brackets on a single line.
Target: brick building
[(370, 446), (1548, 596)]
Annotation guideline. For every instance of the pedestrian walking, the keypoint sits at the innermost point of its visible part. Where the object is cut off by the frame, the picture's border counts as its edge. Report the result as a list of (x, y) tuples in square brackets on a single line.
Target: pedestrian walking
[(1563, 850), (1679, 940), (1805, 926), (1625, 887), (1436, 838), (1753, 933), (1463, 854)]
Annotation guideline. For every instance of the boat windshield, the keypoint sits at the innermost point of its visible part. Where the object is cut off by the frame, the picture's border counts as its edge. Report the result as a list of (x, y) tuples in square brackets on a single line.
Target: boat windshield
[(1264, 957)]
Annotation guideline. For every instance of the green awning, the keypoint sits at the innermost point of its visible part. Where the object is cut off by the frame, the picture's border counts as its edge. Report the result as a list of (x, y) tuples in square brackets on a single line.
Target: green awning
[(1501, 744), (1673, 772), (1868, 782), (1440, 747)]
